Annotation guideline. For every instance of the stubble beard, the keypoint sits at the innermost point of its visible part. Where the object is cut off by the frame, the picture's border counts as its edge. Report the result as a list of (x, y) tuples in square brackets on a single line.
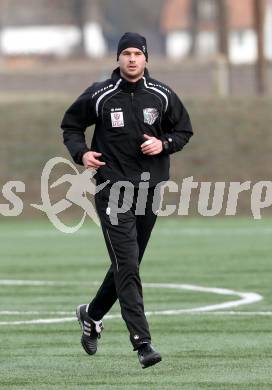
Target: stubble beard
[(133, 77)]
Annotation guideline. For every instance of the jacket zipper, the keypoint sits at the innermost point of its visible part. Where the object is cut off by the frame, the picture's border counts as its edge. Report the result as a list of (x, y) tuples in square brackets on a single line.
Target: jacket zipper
[(132, 111)]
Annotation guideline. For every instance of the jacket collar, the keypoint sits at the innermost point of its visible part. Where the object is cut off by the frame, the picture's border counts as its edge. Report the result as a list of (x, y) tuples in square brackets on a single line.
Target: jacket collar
[(128, 86)]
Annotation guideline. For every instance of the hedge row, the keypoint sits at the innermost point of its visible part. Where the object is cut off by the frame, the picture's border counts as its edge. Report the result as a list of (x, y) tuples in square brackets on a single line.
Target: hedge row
[(232, 141)]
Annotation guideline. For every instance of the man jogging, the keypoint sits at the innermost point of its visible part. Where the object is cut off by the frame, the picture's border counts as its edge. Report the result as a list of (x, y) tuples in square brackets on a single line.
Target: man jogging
[(139, 122)]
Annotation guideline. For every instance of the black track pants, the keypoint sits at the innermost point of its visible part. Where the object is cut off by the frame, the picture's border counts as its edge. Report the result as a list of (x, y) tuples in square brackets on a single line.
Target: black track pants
[(126, 243)]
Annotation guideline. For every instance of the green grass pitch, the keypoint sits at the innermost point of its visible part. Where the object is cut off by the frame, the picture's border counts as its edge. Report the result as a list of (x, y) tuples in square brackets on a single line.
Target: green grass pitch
[(209, 350)]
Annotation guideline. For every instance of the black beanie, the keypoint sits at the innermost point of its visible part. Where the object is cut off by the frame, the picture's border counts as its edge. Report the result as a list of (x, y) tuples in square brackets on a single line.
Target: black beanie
[(130, 39)]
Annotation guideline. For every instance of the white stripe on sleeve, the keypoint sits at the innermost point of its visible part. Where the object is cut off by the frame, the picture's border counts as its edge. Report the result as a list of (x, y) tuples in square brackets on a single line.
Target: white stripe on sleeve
[(106, 93), (158, 90)]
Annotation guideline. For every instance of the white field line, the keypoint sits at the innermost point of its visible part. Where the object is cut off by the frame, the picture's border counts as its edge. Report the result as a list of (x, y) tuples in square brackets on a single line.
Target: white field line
[(246, 298), (216, 231), (17, 282), (113, 316), (34, 313)]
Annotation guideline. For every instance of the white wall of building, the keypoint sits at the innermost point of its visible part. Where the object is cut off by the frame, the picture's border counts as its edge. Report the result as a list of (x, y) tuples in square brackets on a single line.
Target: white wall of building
[(55, 40), (242, 46), (95, 43), (58, 40), (268, 31), (177, 44), (206, 43)]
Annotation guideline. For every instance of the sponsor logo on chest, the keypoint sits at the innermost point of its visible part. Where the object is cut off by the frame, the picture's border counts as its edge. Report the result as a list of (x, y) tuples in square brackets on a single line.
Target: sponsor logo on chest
[(150, 115), (117, 119)]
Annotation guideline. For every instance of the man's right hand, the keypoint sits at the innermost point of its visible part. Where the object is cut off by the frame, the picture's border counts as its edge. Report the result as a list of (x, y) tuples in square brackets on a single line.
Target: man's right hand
[(89, 160)]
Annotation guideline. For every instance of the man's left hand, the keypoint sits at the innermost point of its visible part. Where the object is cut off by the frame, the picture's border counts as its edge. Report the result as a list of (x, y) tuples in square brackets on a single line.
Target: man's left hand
[(152, 148)]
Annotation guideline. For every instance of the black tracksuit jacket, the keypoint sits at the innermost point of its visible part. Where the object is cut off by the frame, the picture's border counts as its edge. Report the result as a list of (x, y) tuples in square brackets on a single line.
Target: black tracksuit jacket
[(122, 112)]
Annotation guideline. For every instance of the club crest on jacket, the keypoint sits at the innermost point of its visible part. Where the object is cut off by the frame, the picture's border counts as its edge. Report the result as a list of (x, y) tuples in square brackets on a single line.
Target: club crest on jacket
[(150, 115)]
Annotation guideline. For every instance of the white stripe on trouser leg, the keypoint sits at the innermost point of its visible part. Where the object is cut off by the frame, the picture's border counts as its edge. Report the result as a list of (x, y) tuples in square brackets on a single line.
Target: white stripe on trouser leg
[(113, 250)]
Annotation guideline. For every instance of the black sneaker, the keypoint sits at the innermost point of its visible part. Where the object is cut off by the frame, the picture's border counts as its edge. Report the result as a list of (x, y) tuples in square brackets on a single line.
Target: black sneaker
[(91, 329), (148, 356)]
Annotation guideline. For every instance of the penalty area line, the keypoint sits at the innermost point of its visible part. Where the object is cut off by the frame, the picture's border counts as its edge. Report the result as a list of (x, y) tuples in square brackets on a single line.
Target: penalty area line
[(245, 298), (44, 321)]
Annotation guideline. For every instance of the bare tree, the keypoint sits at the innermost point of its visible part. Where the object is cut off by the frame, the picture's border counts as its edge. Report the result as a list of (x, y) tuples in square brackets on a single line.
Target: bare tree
[(194, 25), (79, 9), (1, 23), (259, 28), (222, 23), (223, 81)]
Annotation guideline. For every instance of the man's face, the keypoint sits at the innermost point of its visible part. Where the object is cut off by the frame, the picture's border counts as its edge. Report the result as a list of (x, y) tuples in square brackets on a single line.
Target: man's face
[(132, 63)]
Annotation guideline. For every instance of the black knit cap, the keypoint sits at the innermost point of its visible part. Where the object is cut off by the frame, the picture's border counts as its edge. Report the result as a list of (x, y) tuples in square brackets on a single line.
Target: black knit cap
[(130, 39)]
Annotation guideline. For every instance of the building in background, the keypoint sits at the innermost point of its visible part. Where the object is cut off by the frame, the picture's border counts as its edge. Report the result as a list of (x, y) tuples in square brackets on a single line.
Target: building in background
[(176, 23), (90, 28), (75, 27), (50, 27)]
